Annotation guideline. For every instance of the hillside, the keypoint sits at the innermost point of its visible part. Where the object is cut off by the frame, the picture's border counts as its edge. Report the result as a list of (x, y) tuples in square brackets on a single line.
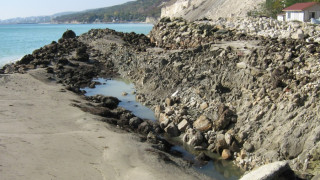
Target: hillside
[(131, 11), (197, 9)]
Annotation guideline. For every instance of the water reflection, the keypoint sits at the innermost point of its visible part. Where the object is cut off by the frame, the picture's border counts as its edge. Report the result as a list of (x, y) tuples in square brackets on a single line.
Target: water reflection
[(117, 88)]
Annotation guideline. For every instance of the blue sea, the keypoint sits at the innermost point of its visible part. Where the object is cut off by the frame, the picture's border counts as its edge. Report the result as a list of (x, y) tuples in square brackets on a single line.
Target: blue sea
[(20, 39)]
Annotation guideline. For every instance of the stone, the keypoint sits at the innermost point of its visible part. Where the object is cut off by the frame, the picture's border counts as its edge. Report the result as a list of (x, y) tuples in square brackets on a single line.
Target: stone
[(111, 102), (169, 111), (164, 120), (26, 59), (152, 137), (157, 110), (241, 65), (248, 147), (124, 94), (223, 121), (298, 35), (183, 125), (134, 122), (145, 127), (242, 154), (193, 137), (221, 143), (268, 171), (228, 138), (234, 147), (69, 34), (204, 106), (172, 130), (202, 124), (226, 154), (169, 102)]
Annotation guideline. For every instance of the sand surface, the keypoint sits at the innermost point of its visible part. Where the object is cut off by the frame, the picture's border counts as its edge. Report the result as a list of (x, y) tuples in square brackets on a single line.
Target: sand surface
[(42, 136)]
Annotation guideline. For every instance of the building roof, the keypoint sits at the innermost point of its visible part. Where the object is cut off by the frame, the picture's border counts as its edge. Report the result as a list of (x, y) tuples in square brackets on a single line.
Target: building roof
[(300, 6)]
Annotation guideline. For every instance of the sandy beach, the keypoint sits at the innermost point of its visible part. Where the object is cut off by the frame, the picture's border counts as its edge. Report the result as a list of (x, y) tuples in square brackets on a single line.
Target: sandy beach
[(42, 136)]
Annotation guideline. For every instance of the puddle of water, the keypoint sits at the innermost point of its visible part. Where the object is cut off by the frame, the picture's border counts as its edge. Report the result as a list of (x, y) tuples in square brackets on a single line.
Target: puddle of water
[(217, 168), (116, 88)]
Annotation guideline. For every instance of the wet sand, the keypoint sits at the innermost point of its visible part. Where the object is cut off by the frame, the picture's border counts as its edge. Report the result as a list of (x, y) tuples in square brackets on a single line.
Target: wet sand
[(42, 136)]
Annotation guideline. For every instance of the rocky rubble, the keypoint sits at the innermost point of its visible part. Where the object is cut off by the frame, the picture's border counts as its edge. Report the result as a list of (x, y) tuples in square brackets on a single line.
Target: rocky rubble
[(268, 27), (251, 99)]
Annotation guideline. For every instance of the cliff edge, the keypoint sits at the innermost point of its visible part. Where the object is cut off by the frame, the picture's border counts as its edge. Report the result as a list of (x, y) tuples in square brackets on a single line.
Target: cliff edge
[(213, 9)]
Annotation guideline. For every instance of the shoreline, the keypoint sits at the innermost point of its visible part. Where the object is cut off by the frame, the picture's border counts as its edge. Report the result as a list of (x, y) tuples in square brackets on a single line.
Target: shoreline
[(43, 136)]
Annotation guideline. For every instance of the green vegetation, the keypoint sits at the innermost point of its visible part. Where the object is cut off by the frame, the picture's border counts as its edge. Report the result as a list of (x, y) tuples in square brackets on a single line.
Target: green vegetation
[(273, 7), (130, 11)]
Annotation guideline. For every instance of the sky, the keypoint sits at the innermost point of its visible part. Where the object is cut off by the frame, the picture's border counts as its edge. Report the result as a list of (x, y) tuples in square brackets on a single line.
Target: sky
[(25, 8)]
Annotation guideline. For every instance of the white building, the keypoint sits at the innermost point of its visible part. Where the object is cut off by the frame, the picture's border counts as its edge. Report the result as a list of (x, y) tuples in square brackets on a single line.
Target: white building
[(302, 11)]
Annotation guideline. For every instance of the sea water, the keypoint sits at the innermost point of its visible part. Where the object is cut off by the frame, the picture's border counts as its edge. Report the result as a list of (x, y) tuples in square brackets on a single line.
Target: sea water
[(17, 40)]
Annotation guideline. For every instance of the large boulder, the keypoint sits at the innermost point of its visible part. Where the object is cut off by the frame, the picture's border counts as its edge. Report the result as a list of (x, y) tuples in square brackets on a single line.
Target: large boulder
[(69, 34), (268, 172)]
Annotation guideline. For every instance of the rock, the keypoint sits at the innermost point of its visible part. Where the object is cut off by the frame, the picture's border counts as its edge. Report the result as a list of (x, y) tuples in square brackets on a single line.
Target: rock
[(228, 138), (193, 137), (124, 94), (169, 102), (242, 154), (202, 124), (135, 122), (152, 138), (157, 110), (268, 172), (183, 125), (111, 102), (204, 106), (234, 147), (226, 154), (68, 34), (169, 111), (172, 130), (26, 59), (224, 120), (241, 65), (144, 127), (164, 120), (248, 147), (221, 143), (298, 35)]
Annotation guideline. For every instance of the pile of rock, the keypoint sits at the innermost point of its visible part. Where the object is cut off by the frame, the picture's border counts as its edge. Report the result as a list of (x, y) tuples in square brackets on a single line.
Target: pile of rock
[(251, 99), (272, 28), (179, 34), (270, 84)]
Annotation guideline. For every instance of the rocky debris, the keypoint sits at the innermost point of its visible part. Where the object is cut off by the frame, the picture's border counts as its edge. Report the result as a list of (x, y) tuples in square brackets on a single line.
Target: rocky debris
[(179, 34), (260, 95), (268, 27), (268, 88)]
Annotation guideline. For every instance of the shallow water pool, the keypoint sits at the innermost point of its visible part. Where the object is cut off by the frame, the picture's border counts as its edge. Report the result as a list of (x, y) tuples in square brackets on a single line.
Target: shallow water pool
[(116, 88)]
